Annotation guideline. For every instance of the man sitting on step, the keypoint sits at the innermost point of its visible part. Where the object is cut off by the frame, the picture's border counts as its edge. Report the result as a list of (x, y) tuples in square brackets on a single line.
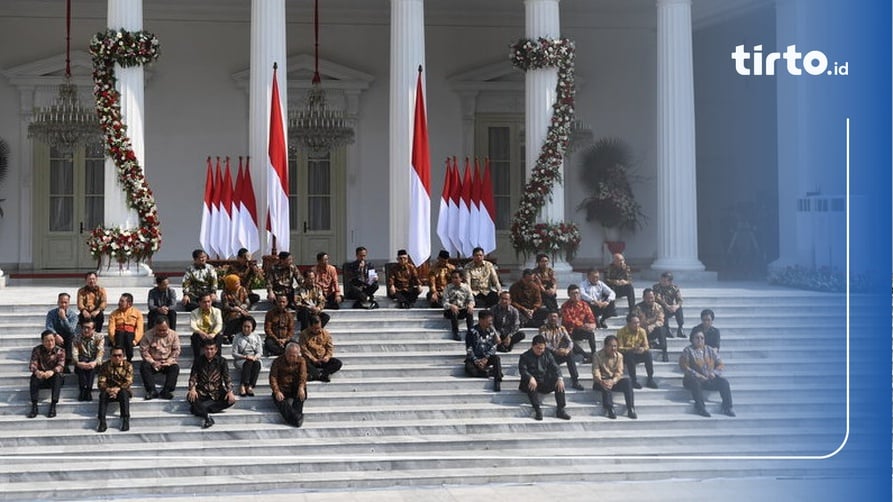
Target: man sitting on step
[(540, 374), (210, 386), (47, 363), (458, 303), (633, 344), (702, 367), (481, 359), (88, 348), (319, 351), (651, 317), (288, 381), (115, 380), (578, 319), (63, 320), (279, 327), (561, 346), (607, 378), (527, 299), (507, 321), (160, 350), (669, 297), (403, 281)]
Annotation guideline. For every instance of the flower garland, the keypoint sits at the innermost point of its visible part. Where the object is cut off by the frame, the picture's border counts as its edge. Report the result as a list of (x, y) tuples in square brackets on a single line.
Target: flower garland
[(527, 236), (127, 49)]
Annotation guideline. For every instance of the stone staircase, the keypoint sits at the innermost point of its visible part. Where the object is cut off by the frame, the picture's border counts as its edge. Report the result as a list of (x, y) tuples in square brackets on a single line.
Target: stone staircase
[(401, 413)]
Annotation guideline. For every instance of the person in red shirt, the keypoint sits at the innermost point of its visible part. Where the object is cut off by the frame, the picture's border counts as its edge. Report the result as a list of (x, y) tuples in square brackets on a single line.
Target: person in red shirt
[(578, 319)]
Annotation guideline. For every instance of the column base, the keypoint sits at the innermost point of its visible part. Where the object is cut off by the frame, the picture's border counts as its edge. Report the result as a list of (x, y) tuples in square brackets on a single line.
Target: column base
[(3, 278), (116, 274)]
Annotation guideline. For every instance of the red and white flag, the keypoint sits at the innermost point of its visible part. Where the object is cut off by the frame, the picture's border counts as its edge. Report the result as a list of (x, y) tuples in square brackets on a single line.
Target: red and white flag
[(419, 241), (443, 217), (226, 215), (214, 243), (204, 236), (465, 212), (238, 230), (248, 212), (455, 202), (487, 238), (474, 227), (277, 174)]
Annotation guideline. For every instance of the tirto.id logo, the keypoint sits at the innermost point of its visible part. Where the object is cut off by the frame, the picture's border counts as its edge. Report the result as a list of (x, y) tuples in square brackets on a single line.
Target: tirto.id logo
[(795, 62)]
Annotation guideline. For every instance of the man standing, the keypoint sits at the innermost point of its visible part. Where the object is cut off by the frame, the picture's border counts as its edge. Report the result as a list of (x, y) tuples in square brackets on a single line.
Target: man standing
[(633, 344), (47, 362), (651, 316), (92, 301), (438, 278), (279, 327), (327, 280), (560, 344), (702, 368), (599, 297), (115, 380), (527, 299), (207, 324), (540, 374), (483, 279), (620, 279), (507, 321), (210, 386), (319, 350), (481, 360), (403, 282), (283, 278), (607, 377), (162, 301), (578, 320), (288, 381), (63, 320), (126, 325), (361, 281), (458, 303), (200, 279), (88, 349), (160, 349), (668, 296)]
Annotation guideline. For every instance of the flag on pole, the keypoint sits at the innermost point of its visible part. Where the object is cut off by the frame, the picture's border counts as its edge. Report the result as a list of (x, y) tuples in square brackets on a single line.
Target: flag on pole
[(238, 228), (443, 217), (277, 174), (215, 212), (248, 213), (487, 237), (455, 202), (226, 214), (465, 212), (474, 227), (204, 236), (419, 242)]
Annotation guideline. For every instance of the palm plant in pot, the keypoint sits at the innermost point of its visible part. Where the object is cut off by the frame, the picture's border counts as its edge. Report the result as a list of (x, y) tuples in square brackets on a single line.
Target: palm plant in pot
[(605, 170)]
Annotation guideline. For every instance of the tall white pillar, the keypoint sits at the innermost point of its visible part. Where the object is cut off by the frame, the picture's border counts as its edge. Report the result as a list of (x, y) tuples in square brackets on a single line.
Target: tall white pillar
[(407, 53), (127, 15), (267, 47), (541, 19), (677, 211)]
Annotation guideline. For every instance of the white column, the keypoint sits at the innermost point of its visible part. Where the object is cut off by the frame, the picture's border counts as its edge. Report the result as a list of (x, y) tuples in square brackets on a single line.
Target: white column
[(127, 15), (267, 47), (407, 53), (677, 211)]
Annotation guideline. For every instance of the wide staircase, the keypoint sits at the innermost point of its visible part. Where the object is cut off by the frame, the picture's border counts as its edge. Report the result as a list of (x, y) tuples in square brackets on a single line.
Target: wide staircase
[(401, 413)]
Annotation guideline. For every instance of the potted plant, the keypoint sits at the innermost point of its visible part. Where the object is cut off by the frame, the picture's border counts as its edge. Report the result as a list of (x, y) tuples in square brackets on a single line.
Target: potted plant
[(605, 170)]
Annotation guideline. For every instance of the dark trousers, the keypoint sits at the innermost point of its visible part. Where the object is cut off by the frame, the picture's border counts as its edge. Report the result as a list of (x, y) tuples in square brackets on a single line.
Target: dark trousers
[(272, 347), (550, 302), (571, 365), (303, 316), (407, 296), (331, 304), (201, 407), (123, 399), (454, 319), (124, 340), (631, 359), (98, 321), (603, 313), (657, 339), (623, 386), (54, 383), (196, 342), (513, 339), (292, 412), (250, 372), (486, 300), (629, 292), (583, 334), (147, 372), (171, 318), (680, 317), (538, 319), (231, 327), (697, 388), (439, 303), (85, 378), (493, 368), (361, 292), (67, 340), (544, 386), (314, 371)]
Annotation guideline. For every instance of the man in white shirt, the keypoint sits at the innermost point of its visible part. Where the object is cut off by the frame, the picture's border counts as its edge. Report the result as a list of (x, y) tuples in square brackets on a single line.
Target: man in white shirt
[(599, 297)]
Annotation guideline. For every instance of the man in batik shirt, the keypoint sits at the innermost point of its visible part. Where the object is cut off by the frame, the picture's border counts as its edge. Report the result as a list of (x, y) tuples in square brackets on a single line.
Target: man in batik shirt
[(47, 363), (210, 386), (282, 279), (87, 351), (288, 381), (115, 380), (438, 278), (200, 279), (403, 281)]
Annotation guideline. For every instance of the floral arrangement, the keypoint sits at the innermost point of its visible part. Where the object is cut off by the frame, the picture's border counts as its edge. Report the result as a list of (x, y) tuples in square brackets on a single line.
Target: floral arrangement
[(527, 236), (127, 49), (604, 170)]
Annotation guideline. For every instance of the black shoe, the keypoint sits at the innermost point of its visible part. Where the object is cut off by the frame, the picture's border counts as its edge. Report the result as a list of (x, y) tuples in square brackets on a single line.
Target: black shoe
[(703, 412), (602, 324), (610, 414), (88, 395), (637, 385), (324, 377), (250, 392), (497, 386), (208, 422), (102, 427), (298, 421), (33, 412), (81, 395), (679, 333), (631, 413), (457, 337), (576, 385), (664, 358), (125, 424), (168, 395), (562, 414), (729, 412), (373, 305), (150, 395), (538, 415), (651, 384), (52, 412)]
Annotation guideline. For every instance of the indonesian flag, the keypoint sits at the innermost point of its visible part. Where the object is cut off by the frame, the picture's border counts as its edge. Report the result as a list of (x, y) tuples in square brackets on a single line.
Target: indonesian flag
[(465, 212), (215, 212), (419, 245), (248, 212), (474, 229), (455, 202), (238, 230), (487, 236), (204, 236), (277, 174), (443, 218), (226, 215)]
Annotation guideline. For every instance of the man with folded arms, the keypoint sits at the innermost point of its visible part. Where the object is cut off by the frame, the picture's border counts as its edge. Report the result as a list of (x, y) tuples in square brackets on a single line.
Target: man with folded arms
[(288, 381), (210, 386), (160, 349), (115, 380)]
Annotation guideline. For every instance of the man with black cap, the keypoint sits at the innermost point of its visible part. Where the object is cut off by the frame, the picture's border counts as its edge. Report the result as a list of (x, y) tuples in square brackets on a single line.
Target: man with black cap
[(403, 282), (282, 279), (438, 278)]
